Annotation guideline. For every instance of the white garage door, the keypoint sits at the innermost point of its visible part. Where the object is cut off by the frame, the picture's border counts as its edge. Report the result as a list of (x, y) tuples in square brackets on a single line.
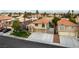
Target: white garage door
[(67, 33)]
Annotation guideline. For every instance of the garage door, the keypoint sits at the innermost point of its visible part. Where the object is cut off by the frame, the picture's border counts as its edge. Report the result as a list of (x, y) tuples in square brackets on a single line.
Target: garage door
[(67, 33)]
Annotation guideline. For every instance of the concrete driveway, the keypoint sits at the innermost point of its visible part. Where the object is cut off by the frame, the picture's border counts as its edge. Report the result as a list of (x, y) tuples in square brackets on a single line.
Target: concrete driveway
[(41, 37), (69, 41)]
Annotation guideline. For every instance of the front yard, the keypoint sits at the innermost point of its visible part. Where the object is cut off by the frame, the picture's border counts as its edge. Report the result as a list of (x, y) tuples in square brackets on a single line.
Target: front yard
[(19, 29)]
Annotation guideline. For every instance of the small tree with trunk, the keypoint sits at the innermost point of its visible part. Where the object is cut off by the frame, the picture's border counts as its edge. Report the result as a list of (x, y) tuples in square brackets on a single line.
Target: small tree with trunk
[(25, 16), (54, 21), (16, 25)]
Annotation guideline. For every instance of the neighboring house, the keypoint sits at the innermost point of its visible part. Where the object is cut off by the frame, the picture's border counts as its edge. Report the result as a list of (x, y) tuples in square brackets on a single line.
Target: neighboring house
[(50, 15), (5, 22), (33, 18), (41, 25), (24, 22), (77, 19), (66, 27)]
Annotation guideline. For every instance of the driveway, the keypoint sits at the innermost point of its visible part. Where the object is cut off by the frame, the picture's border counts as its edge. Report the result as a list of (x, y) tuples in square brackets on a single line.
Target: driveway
[(41, 37), (69, 41)]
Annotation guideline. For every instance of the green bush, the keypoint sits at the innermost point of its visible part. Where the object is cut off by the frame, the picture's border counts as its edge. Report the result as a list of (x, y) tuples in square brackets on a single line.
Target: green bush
[(21, 33)]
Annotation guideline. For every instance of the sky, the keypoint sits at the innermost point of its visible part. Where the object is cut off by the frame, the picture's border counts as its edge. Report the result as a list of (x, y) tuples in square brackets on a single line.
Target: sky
[(39, 5)]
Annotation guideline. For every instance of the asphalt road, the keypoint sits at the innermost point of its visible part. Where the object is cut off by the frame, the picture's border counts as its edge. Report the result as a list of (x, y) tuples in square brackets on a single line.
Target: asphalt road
[(8, 42)]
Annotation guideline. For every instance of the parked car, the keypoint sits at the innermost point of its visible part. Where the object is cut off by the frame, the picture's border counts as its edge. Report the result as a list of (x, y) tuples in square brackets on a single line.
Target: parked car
[(1, 30), (6, 30)]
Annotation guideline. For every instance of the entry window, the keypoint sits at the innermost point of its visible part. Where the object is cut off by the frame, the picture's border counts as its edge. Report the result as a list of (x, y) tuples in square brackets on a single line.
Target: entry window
[(36, 24), (43, 25)]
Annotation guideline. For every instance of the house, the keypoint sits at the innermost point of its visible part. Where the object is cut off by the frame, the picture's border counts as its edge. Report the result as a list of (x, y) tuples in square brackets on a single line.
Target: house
[(41, 25), (77, 19), (5, 21), (66, 27)]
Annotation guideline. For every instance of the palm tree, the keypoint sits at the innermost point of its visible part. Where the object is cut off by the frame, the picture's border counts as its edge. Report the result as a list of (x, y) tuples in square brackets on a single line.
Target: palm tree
[(54, 14), (72, 13), (10, 14), (37, 12), (25, 16), (19, 14), (54, 22)]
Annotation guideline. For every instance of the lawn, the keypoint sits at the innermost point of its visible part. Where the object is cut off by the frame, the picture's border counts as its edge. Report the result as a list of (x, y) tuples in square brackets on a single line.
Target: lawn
[(21, 33)]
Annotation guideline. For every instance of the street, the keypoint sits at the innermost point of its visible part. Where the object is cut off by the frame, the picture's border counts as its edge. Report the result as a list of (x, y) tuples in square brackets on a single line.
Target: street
[(8, 42)]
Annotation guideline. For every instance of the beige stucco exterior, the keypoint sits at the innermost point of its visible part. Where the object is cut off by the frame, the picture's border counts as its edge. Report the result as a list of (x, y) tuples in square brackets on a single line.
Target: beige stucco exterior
[(67, 30), (7, 23), (38, 28), (77, 19)]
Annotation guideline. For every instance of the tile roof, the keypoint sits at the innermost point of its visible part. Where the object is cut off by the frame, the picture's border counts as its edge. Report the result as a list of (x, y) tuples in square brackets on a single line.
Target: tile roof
[(65, 21), (5, 17), (42, 21)]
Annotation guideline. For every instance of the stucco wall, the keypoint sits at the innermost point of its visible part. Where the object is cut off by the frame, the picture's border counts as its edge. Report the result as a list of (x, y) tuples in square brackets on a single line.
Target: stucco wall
[(40, 26)]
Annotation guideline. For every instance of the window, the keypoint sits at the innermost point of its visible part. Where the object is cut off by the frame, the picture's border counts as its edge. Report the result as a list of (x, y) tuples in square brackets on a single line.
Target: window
[(61, 27), (36, 24), (43, 25), (72, 27)]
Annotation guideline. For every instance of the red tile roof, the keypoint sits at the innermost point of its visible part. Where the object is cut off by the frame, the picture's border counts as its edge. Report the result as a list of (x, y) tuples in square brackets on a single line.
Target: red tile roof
[(5, 17), (42, 21), (65, 21)]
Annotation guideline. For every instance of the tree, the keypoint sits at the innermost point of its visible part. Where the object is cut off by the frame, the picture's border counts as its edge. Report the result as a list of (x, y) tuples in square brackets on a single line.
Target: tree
[(37, 12), (19, 14), (44, 14), (72, 13), (54, 21), (72, 19), (67, 15), (18, 31), (16, 25), (10, 14), (25, 16), (70, 16)]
